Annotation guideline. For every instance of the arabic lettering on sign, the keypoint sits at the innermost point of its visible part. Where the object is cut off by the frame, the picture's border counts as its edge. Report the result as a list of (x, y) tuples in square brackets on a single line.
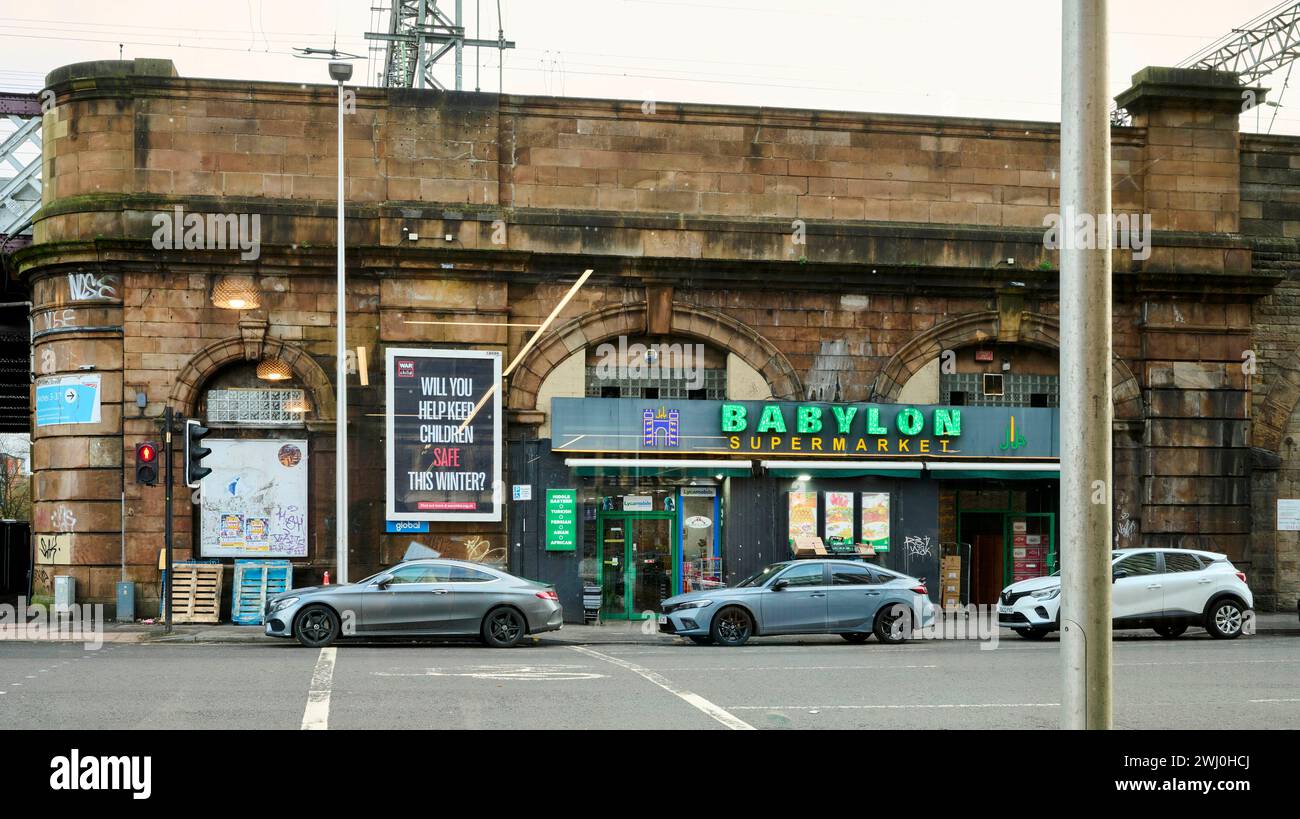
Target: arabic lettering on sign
[(1013, 440)]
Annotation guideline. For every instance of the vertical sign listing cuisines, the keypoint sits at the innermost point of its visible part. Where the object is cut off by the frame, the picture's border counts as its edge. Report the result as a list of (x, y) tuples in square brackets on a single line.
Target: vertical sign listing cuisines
[(439, 467), (561, 520)]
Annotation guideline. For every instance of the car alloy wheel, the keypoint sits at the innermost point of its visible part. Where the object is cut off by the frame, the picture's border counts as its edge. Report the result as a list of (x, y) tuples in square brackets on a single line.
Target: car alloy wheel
[(893, 624), (317, 627), (1225, 622), (732, 627), (503, 628)]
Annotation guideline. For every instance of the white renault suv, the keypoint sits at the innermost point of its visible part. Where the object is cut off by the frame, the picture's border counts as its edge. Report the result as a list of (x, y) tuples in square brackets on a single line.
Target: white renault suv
[(1163, 589)]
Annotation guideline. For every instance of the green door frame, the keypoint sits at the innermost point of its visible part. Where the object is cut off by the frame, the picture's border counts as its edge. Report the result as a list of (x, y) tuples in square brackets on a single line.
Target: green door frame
[(1008, 568), (629, 571)]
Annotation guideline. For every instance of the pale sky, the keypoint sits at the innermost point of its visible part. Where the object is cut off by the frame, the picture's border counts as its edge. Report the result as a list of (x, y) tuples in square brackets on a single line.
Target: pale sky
[(999, 58)]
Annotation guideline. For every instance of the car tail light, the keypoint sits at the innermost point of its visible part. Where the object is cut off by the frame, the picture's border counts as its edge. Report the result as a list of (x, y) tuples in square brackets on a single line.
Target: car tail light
[(1241, 576), (920, 589), (549, 594)]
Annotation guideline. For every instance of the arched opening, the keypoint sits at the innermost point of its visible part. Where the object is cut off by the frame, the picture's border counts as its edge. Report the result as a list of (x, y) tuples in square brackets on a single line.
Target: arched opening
[(254, 504)]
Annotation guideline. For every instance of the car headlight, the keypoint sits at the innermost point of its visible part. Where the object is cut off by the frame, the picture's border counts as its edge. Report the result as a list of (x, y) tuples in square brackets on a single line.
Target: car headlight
[(1046, 594), (284, 604), (693, 604)]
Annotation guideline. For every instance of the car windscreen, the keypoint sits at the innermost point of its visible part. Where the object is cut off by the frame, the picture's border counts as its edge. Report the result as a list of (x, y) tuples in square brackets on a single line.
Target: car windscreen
[(761, 577)]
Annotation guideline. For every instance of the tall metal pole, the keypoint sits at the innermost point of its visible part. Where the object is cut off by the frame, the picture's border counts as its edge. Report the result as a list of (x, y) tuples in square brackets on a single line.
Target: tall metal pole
[(1085, 370), (341, 410), (167, 513)]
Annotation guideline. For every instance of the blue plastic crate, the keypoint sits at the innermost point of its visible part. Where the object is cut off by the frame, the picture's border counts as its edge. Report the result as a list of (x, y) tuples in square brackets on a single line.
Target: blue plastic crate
[(257, 581)]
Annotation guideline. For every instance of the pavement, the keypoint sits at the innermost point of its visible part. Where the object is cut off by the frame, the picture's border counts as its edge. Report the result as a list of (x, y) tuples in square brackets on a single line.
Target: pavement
[(617, 632), (1194, 683)]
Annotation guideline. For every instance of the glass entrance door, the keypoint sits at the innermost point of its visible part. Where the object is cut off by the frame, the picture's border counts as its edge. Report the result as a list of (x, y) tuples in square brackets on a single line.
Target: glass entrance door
[(636, 554)]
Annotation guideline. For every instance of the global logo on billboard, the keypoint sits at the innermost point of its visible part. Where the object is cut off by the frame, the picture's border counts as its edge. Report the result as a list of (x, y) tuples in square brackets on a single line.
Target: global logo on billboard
[(405, 368), (662, 423)]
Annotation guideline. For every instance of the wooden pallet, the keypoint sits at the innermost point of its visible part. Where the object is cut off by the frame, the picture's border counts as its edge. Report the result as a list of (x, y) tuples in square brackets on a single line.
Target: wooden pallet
[(255, 582), (196, 592)]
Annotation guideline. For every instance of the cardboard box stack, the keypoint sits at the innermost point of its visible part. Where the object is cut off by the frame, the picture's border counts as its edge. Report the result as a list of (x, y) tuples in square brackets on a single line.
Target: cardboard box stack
[(950, 581)]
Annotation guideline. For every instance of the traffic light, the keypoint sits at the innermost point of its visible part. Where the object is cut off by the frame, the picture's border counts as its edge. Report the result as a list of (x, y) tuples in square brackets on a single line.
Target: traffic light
[(195, 452), (146, 463)]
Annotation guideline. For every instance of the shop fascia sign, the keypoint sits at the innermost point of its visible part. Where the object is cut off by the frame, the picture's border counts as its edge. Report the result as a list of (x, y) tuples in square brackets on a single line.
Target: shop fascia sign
[(896, 430)]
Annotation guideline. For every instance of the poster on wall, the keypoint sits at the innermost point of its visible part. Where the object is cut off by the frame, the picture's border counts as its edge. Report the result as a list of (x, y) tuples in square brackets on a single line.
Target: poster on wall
[(67, 399), (561, 520), (803, 515), (839, 521), (875, 521), (444, 435), (1288, 514), (254, 503)]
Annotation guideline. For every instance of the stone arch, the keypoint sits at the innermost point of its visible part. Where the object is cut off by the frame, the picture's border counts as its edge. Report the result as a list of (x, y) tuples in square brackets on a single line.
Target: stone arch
[(702, 323), (188, 387), (1034, 330)]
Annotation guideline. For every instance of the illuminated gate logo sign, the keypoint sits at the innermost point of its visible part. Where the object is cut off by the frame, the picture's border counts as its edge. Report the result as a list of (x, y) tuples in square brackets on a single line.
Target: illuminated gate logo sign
[(663, 422)]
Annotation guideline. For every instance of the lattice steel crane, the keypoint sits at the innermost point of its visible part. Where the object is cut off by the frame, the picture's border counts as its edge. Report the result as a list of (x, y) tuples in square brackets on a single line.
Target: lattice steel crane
[(1253, 50)]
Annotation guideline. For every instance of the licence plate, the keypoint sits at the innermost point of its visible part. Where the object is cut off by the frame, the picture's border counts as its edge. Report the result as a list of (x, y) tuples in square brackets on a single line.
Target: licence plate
[(663, 619), (1004, 610)]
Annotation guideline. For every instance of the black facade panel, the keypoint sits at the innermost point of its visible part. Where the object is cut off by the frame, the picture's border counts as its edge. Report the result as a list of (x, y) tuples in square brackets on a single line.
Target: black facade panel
[(532, 462)]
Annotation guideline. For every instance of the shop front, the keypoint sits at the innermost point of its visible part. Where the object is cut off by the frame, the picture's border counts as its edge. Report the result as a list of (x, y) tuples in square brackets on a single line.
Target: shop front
[(672, 498)]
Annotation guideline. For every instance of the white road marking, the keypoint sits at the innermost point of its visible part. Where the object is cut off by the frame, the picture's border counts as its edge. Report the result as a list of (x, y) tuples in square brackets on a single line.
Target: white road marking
[(902, 707), (721, 715), (1212, 662), (1288, 699), (316, 717)]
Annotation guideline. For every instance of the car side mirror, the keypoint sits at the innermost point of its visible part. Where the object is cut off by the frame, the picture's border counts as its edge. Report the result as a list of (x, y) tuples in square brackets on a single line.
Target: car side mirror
[(780, 584), (383, 580), (1117, 574)]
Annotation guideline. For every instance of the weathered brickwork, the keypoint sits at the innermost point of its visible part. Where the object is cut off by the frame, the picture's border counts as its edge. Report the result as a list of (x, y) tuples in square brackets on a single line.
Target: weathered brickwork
[(836, 254)]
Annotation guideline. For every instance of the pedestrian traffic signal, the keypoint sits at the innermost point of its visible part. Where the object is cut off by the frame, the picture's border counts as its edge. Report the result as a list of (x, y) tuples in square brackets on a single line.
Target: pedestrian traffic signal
[(146, 463), (195, 452)]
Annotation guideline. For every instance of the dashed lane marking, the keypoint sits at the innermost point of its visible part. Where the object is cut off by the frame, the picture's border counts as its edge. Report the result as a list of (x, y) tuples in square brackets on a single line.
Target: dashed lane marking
[(316, 716)]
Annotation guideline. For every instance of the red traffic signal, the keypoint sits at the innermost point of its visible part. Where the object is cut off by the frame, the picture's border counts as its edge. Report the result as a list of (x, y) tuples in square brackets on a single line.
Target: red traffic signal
[(146, 463)]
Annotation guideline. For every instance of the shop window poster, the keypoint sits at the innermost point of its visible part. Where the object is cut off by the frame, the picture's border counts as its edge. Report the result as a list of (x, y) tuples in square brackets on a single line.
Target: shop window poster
[(254, 503), (803, 515), (839, 519), (875, 521)]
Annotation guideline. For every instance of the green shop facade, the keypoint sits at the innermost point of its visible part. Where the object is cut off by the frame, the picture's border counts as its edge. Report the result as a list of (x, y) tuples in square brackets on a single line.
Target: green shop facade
[(644, 499)]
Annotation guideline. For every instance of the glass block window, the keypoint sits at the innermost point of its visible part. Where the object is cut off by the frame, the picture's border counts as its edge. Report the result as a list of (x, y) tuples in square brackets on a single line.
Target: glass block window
[(1018, 390), (710, 385), (242, 407)]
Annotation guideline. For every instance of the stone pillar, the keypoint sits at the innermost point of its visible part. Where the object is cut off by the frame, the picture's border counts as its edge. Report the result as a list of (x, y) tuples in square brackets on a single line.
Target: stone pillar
[(77, 468)]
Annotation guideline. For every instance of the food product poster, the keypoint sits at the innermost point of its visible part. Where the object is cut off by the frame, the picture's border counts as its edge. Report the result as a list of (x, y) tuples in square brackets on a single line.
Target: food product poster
[(839, 518), (875, 520), (254, 503), (803, 515)]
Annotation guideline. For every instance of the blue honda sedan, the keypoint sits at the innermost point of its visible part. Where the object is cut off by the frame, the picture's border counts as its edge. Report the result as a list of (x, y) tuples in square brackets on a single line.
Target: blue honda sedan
[(850, 598)]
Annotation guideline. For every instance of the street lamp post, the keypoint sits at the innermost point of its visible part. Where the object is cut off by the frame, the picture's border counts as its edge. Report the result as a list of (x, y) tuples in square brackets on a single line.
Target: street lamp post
[(341, 73), (1086, 409)]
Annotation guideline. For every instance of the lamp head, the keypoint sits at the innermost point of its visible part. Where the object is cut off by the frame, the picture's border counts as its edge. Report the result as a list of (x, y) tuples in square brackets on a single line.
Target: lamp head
[(341, 72)]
